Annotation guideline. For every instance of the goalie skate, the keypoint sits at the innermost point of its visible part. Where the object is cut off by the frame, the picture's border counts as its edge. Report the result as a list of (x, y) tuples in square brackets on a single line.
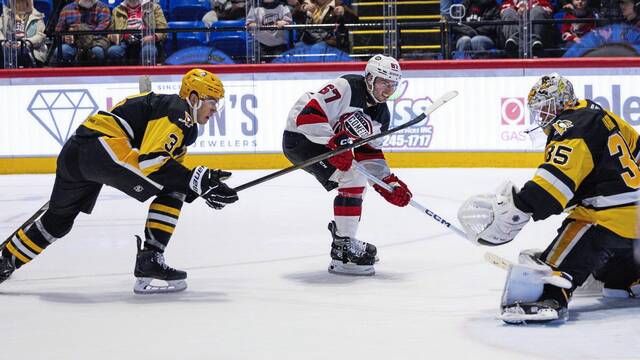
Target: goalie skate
[(534, 313), (150, 267), (350, 256)]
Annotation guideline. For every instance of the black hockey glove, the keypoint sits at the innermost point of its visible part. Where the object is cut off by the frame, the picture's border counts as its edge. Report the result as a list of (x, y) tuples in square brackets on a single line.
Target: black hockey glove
[(208, 185)]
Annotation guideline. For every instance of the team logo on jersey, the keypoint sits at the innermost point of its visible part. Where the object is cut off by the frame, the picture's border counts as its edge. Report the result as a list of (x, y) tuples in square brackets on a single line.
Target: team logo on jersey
[(188, 120), (357, 124), (512, 111), (60, 112), (561, 126)]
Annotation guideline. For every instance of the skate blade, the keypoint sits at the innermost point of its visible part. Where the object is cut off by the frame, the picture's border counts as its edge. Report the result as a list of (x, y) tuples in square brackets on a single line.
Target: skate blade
[(340, 268), (144, 286), (544, 316)]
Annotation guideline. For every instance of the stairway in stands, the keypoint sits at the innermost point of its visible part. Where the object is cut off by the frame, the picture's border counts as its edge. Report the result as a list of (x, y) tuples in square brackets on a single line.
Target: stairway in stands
[(416, 43)]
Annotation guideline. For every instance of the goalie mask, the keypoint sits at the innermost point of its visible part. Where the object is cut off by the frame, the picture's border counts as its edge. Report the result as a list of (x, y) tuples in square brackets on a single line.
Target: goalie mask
[(551, 95), (388, 71)]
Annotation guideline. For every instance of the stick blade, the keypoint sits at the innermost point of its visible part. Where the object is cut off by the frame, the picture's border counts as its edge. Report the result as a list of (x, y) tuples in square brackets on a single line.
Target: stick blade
[(496, 260)]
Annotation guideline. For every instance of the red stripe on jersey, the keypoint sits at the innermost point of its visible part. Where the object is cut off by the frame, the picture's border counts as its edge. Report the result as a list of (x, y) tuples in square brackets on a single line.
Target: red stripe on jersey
[(347, 210), (360, 156), (311, 114), (351, 190)]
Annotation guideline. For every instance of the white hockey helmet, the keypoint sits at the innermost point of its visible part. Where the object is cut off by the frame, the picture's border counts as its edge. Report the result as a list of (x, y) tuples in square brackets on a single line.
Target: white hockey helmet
[(380, 66), (551, 95)]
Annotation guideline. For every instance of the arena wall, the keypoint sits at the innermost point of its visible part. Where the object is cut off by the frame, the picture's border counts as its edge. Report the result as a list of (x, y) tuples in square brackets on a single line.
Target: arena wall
[(483, 127)]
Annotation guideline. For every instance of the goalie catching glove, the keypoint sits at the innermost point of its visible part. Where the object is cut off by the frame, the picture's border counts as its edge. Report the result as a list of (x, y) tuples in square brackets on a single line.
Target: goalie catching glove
[(400, 196), (208, 185), (492, 219)]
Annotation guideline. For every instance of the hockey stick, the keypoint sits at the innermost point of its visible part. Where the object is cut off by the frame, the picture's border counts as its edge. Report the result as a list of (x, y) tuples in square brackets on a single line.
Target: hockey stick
[(436, 104), (498, 261), (413, 203), (30, 220)]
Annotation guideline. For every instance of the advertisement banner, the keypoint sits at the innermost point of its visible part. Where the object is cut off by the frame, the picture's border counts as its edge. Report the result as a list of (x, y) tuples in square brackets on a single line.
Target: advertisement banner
[(490, 113)]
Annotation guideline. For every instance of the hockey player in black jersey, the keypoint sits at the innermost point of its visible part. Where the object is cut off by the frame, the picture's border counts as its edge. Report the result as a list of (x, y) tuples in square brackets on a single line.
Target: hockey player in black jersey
[(590, 171), (345, 109), (138, 147)]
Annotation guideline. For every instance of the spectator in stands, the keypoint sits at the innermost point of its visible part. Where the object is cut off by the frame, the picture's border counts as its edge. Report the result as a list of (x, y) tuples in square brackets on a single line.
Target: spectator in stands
[(572, 32), (28, 34), (477, 38), (135, 15), (604, 9), (325, 12), (225, 10), (83, 15), (629, 12), (513, 10), (445, 9), (270, 13)]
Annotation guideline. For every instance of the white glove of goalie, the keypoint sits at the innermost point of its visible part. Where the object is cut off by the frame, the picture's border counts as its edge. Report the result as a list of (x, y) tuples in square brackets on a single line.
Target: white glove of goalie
[(492, 219)]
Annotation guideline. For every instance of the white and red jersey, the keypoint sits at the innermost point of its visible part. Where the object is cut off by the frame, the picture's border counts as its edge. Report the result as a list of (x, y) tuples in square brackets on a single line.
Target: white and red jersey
[(316, 115)]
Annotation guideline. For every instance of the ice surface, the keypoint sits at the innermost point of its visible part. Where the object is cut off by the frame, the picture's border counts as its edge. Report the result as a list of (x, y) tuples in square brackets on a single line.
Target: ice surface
[(259, 288)]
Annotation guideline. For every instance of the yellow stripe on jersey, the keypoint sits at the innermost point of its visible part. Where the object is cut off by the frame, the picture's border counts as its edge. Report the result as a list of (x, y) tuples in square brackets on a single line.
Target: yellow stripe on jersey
[(161, 135), (165, 209), (16, 253), (567, 240), (165, 228), (104, 124), (121, 148), (621, 220), (122, 102), (573, 158), (553, 186), (629, 134), (25, 240)]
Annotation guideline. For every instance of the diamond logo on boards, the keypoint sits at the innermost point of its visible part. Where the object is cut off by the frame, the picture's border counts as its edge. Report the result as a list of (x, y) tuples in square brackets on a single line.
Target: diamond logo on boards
[(61, 111)]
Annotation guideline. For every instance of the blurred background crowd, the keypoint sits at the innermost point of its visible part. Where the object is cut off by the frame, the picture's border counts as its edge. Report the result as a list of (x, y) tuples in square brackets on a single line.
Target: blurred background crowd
[(37, 33)]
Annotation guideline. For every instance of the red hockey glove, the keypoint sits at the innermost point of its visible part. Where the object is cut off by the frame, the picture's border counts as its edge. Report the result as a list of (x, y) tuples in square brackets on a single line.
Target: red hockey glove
[(400, 195), (342, 161)]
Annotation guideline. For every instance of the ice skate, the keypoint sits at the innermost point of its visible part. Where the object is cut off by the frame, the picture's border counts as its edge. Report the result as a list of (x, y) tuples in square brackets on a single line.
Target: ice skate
[(350, 256), (538, 312), (7, 267), (150, 266)]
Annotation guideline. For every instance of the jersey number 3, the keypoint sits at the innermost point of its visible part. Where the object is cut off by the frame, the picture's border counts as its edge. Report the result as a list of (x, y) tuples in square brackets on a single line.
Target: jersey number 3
[(631, 173), (169, 145), (330, 88)]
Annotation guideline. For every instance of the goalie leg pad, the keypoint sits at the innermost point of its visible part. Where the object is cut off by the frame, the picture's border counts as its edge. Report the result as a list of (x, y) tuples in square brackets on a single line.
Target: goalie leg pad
[(526, 284)]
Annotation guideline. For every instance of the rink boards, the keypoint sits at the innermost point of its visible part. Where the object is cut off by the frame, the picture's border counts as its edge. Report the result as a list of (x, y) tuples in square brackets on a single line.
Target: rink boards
[(483, 126)]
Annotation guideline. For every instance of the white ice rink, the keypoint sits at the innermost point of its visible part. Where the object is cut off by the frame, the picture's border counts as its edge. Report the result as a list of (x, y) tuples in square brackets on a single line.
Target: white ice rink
[(259, 288)]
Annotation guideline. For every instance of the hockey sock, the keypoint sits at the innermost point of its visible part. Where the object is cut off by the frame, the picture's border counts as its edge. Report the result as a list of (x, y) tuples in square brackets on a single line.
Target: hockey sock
[(347, 208), (29, 242), (163, 216)]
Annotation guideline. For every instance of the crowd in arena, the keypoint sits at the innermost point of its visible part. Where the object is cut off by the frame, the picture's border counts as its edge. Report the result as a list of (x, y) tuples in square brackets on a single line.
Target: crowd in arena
[(37, 31)]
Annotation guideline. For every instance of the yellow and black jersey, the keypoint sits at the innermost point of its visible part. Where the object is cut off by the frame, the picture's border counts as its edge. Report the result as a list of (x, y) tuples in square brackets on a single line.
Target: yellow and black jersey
[(590, 170), (158, 127)]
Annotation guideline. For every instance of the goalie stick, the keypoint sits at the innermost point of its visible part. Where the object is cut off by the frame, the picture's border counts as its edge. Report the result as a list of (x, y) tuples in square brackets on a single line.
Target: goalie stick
[(436, 104), (439, 219)]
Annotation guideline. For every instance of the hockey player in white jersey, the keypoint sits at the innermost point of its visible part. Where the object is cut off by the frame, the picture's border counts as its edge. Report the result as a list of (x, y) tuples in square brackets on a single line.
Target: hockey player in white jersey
[(346, 109)]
